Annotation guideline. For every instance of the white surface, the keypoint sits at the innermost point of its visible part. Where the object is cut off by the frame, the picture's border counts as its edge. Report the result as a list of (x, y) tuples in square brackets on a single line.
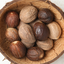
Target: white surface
[(59, 3)]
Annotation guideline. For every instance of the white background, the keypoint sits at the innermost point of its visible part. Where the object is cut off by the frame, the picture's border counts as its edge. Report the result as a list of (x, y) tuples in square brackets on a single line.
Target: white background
[(59, 3)]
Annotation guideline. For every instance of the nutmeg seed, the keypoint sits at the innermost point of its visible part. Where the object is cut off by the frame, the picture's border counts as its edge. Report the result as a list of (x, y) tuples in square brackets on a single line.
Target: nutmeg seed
[(41, 31), (12, 19), (32, 23), (18, 49), (12, 34), (45, 15), (55, 30), (28, 45), (45, 45), (26, 33), (35, 53), (28, 14)]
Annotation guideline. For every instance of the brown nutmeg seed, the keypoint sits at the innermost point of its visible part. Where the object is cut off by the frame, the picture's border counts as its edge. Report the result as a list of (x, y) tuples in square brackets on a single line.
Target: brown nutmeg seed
[(45, 15), (35, 53), (41, 31), (12, 19), (12, 34), (18, 49)]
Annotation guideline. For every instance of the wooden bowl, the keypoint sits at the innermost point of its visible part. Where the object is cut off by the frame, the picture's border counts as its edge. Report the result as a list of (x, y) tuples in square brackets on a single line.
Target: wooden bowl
[(17, 5)]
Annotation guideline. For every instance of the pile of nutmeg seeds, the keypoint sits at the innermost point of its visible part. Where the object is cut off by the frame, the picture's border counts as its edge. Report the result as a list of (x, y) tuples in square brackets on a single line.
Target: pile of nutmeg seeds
[(31, 32)]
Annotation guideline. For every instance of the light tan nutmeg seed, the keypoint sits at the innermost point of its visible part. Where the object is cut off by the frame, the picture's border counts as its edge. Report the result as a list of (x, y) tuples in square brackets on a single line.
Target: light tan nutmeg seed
[(26, 33), (55, 30), (45, 45), (28, 45), (28, 14), (32, 23), (19, 24)]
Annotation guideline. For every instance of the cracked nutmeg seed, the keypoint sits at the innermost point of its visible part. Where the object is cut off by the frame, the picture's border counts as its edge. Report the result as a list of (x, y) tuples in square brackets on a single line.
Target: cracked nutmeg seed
[(18, 49), (35, 53)]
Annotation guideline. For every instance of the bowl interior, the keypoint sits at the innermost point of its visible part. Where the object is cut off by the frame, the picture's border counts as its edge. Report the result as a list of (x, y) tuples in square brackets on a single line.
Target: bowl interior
[(17, 6)]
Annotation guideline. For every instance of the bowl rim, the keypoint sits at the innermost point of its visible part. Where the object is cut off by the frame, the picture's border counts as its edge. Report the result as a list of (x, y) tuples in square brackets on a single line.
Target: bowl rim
[(47, 1)]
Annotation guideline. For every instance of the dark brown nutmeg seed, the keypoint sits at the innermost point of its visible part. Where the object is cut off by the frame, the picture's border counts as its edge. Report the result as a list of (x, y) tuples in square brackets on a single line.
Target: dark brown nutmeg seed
[(35, 53), (18, 49), (12, 34), (41, 31), (45, 15), (12, 19)]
